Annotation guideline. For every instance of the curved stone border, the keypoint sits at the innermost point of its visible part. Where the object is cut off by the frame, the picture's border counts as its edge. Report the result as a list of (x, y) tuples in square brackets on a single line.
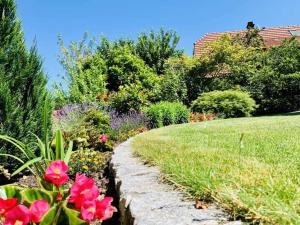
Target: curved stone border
[(144, 200)]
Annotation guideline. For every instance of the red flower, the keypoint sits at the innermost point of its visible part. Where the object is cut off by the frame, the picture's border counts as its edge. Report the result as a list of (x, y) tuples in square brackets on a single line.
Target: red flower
[(103, 138), (104, 209), (19, 215), (88, 210), (59, 197), (83, 189), (56, 173), (7, 204), (37, 210)]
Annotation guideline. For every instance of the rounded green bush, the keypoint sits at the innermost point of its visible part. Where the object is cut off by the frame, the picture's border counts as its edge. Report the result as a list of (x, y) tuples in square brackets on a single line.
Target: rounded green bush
[(226, 104), (166, 113)]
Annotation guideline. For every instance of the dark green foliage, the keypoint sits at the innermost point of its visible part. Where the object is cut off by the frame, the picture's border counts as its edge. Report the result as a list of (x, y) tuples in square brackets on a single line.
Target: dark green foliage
[(98, 119), (166, 113), (176, 77), (130, 97), (226, 104), (156, 48), (267, 74), (126, 68), (23, 83)]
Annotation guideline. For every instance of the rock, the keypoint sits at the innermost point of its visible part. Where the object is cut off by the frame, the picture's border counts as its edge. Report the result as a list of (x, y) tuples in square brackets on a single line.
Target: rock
[(144, 200)]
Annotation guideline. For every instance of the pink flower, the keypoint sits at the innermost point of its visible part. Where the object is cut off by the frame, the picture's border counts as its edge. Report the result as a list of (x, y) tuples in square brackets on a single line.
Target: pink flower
[(37, 210), (104, 209), (56, 173), (7, 204), (19, 215), (83, 189), (103, 138), (88, 210)]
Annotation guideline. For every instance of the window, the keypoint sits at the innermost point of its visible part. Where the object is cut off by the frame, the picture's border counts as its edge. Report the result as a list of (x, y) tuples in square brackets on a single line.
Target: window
[(295, 33)]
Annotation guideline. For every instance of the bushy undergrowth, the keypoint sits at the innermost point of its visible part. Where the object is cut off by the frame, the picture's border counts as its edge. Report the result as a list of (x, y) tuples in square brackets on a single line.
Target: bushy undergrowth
[(88, 162), (128, 124), (167, 113), (84, 124), (226, 104)]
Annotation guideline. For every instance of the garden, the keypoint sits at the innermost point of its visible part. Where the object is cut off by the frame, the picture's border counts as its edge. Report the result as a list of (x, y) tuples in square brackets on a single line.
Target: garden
[(223, 126)]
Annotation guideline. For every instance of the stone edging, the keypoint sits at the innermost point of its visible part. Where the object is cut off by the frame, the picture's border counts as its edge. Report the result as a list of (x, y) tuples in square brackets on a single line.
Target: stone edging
[(144, 200)]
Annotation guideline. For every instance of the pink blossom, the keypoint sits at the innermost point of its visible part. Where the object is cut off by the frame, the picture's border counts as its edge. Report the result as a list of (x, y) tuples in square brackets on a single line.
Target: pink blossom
[(56, 173), (83, 189), (103, 138), (104, 209), (7, 204), (88, 210), (19, 215), (37, 210)]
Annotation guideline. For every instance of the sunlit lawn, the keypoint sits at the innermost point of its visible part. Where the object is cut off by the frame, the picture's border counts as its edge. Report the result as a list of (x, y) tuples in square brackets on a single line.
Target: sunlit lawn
[(258, 179)]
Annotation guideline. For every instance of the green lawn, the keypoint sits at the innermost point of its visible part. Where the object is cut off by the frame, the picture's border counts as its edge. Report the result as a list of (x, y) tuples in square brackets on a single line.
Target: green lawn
[(261, 180)]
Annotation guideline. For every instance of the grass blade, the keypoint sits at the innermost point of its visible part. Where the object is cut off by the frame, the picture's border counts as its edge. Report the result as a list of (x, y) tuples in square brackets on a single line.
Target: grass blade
[(26, 165), (60, 152), (68, 153), (12, 156)]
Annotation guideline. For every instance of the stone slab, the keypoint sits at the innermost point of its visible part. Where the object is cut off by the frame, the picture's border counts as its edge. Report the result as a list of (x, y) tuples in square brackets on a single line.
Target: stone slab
[(145, 200)]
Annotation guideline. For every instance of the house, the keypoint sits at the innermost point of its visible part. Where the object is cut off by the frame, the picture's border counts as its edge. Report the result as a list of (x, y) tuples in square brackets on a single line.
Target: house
[(272, 36)]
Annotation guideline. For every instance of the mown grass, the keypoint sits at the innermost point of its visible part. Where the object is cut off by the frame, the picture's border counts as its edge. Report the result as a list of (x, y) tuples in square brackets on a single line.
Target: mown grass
[(259, 179)]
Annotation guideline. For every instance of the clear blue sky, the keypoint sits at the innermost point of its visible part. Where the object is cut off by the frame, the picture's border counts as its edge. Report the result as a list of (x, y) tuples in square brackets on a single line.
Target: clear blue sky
[(43, 20)]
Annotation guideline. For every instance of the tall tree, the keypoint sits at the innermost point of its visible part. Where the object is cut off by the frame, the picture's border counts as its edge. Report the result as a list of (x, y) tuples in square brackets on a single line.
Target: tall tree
[(156, 48), (251, 38), (23, 82)]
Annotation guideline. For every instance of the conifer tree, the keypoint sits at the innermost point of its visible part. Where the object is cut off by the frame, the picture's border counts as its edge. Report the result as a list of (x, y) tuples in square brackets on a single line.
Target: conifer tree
[(23, 82)]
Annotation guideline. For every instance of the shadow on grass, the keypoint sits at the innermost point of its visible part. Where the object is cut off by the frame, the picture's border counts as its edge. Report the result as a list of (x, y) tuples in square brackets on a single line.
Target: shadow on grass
[(295, 113)]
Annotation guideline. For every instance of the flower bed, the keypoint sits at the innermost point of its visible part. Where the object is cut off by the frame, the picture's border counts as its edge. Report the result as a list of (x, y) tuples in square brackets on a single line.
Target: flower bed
[(53, 202)]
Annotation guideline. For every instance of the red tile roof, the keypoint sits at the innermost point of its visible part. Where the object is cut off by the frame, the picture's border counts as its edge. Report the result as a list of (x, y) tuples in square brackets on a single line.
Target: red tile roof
[(272, 36)]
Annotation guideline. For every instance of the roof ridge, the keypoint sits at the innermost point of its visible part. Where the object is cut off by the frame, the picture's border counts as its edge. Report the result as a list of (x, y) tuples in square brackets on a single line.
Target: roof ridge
[(237, 31)]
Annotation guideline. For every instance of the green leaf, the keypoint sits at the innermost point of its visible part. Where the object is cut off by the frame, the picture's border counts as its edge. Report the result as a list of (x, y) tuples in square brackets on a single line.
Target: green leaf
[(41, 146), (69, 153), (45, 128), (44, 184), (49, 216), (72, 216), (32, 194), (26, 165), (16, 143), (60, 152), (12, 156), (12, 191)]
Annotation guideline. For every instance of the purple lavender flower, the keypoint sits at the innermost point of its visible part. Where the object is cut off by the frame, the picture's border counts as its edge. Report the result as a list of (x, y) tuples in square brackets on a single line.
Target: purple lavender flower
[(128, 121)]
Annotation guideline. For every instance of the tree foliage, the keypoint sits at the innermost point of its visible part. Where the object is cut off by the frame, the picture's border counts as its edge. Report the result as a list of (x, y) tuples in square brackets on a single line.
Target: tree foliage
[(155, 48), (23, 83), (86, 72)]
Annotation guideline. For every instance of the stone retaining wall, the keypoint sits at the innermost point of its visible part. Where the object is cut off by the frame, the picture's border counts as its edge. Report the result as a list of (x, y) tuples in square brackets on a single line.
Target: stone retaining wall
[(144, 200)]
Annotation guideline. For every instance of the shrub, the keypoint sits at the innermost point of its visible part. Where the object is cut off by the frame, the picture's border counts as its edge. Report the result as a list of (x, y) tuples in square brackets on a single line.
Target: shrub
[(225, 104), (127, 125), (166, 113), (84, 124), (129, 98), (23, 88), (87, 162)]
